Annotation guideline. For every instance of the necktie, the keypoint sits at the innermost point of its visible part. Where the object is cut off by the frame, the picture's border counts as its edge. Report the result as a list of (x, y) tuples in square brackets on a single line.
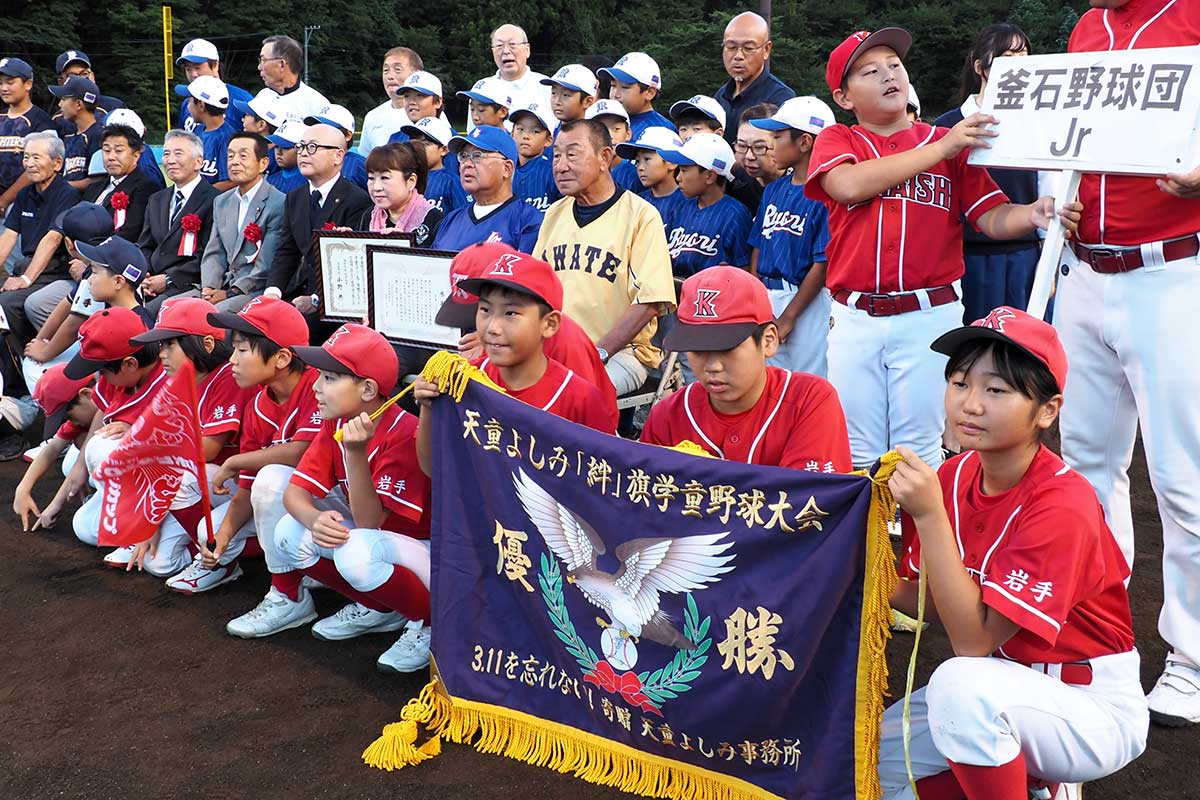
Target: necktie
[(176, 207), (314, 207)]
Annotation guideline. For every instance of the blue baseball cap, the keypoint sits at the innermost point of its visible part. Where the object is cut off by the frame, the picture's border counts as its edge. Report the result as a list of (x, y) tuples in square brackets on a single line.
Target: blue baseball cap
[(490, 138), (68, 57), (78, 87), (288, 134), (118, 256), (16, 68), (85, 222)]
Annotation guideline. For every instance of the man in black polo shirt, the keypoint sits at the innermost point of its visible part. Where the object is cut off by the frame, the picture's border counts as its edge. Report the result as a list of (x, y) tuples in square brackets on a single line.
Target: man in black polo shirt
[(40, 278), (745, 50)]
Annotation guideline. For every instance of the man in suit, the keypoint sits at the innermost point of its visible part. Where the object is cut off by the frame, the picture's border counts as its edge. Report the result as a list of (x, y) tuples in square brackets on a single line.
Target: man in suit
[(326, 200), (125, 191), (235, 266), (178, 222)]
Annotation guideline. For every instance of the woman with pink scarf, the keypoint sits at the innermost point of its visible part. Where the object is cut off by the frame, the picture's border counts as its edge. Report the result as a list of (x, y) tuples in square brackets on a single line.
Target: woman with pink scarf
[(396, 175)]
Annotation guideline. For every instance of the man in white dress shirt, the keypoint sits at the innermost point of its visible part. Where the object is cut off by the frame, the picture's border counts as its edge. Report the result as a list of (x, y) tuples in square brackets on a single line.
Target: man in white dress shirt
[(510, 50)]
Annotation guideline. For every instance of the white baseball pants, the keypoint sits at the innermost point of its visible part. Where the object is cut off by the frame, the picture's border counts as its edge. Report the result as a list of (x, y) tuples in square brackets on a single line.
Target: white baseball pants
[(806, 347)]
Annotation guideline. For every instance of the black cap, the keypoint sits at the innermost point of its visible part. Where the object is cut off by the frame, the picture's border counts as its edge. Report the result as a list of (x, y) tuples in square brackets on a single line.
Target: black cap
[(69, 56), (78, 87), (16, 68), (85, 222), (118, 256)]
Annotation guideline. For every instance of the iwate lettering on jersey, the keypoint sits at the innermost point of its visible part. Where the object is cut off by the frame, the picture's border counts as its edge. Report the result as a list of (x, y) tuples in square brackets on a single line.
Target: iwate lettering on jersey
[(587, 258)]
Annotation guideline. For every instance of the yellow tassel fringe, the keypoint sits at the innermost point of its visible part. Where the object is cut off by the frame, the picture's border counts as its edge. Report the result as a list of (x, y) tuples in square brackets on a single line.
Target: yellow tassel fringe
[(451, 373)]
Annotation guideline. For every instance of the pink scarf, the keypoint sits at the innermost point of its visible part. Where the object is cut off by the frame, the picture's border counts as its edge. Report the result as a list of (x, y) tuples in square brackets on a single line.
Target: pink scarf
[(412, 216)]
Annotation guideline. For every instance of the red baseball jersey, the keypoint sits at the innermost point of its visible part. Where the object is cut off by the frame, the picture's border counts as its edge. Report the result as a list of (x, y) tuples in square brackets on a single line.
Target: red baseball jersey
[(392, 457), (1124, 210), (126, 404), (69, 431), (561, 392), (576, 351), (797, 423), (1043, 556), (266, 423), (220, 408), (909, 237)]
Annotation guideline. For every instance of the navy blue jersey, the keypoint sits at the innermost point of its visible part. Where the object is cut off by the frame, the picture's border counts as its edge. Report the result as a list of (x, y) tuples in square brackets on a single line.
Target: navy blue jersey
[(625, 175), (515, 223), (790, 231), (663, 204), (236, 95), (444, 191), (12, 142), (104, 104), (79, 147), (698, 238), (287, 179), (354, 169), (149, 166), (647, 119), (533, 182), (216, 152)]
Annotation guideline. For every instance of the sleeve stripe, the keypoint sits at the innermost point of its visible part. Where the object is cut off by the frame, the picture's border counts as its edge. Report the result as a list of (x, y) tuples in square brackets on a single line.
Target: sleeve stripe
[(981, 200), (403, 502), (305, 477), (1018, 601), (842, 157)]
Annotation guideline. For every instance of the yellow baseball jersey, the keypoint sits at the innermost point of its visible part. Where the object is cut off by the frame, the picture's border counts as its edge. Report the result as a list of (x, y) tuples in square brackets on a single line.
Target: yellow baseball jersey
[(618, 259)]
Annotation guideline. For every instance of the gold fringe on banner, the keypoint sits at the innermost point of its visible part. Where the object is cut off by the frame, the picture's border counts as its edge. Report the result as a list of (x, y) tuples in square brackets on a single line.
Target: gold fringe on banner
[(451, 372)]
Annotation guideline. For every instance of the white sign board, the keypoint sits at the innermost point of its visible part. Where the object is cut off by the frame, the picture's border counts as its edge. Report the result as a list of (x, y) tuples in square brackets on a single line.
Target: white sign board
[(407, 288), (1133, 112), (342, 271)]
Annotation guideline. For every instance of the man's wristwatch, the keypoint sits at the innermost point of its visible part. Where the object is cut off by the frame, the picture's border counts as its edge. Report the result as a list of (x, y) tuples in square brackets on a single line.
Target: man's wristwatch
[(316, 300), (603, 355)]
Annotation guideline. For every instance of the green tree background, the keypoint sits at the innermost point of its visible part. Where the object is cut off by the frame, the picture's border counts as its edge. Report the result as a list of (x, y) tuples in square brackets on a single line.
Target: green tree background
[(124, 40)]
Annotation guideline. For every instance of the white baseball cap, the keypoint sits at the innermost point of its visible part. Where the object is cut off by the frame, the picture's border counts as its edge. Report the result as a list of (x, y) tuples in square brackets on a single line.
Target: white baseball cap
[(199, 51), (288, 134), (610, 108), (490, 90), (706, 105), (208, 89), (434, 128), (914, 102), (262, 105), (656, 138), (538, 109), (423, 82), (126, 116), (806, 114), (705, 150), (333, 115), (636, 68), (577, 77)]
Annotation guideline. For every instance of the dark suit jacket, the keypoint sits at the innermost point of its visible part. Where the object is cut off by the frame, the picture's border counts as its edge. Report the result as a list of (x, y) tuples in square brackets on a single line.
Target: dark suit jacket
[(294, 268), (139, 187), (160, 241)]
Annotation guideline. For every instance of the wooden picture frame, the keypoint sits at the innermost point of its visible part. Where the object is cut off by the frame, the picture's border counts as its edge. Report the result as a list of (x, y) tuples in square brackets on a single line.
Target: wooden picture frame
[(341, 268), (406, 288)]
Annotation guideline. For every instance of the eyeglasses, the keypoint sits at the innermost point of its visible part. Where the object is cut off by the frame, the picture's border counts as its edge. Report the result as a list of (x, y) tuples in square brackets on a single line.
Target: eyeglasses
[(262, 60), (747, 49), (502, 46), (476, 156), (760, 150), (310, 148)]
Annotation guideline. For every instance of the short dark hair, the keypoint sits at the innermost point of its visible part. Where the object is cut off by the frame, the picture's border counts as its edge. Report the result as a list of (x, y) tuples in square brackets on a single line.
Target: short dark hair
[(289, 50), (758, 333), (758, 111), (261, 145), (402, 157), (211, 110), (692, 116), (192, 346), (597, 131), (125, 132), (989, 45), (1016, 367), (266, 349), (508, 293), (145, 356)]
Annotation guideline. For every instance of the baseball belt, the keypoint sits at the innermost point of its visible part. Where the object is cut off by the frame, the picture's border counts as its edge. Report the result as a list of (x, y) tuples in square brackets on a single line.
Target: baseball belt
[(1111, 260), (889, 305)]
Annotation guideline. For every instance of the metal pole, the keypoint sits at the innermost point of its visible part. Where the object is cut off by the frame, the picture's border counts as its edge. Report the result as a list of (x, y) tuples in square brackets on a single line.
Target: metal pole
[(308, 30), (764, 11)]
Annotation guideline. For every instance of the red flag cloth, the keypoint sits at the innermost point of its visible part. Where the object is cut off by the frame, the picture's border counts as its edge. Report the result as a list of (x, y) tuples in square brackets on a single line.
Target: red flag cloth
[(143, 474)]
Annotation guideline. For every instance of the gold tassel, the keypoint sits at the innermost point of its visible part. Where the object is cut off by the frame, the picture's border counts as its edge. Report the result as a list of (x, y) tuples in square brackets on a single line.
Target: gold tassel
[(395, 748), (691, 448), (451, 372)]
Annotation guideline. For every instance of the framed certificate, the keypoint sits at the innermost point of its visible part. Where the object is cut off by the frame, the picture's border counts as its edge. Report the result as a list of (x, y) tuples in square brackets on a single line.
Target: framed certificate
[(407, 287), (342, 271)]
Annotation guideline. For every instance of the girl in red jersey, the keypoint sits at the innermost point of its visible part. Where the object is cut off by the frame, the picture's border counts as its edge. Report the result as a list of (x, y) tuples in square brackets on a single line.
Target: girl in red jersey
[(1028, 581)]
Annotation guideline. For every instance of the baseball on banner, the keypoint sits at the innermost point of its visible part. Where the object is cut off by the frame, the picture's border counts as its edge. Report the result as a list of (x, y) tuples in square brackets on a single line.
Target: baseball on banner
[(618, 650)]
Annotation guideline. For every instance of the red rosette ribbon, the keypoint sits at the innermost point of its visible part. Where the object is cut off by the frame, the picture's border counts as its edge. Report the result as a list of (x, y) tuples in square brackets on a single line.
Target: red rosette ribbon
[(254, 235), (191, 225), (119, 201), (626, 684), (328, 226)]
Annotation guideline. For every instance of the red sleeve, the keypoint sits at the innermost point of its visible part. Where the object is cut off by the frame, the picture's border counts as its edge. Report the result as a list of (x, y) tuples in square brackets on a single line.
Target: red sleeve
[(221, 410), (657, 429), (314, 474), (588, 406), (254, 436), (1029, 580), (833, 146), (308, 417), (909, 564), (977, 193), (69, 431), (401, 485), (818, 435)]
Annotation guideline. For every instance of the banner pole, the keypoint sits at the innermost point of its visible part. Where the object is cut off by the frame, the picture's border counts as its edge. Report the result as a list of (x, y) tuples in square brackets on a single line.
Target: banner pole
[(1066, 188), (168, 66)]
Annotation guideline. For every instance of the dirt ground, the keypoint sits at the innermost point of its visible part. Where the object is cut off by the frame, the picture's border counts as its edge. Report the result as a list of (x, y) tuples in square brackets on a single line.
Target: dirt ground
[(111, 686)]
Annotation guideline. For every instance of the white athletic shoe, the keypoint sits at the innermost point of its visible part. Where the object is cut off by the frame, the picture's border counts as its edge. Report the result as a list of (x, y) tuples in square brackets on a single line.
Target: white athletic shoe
[(274, 614), (119, 558), (410, 652), (355, 619), (311, 583), (196, 578), (1175, 699)]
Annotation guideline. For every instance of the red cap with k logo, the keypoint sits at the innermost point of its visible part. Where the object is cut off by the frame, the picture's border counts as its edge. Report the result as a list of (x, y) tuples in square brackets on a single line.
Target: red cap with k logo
[(718, 308)]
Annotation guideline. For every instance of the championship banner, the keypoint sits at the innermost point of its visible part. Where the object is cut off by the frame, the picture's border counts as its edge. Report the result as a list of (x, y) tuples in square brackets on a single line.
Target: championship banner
[(648, 619), (144, 473)]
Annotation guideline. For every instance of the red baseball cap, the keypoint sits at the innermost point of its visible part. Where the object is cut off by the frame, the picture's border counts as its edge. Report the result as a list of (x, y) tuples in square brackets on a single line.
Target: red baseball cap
[(458, 310), (356, 350), (54, 392), (520, 272), (275, 319), (105, 337), (842, 57), (182, 316), (718, 308), (1007, 324)]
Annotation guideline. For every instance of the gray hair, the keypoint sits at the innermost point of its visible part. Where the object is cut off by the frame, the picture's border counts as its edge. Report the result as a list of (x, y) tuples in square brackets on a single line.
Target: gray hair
[(57, 150), (190, 138)]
